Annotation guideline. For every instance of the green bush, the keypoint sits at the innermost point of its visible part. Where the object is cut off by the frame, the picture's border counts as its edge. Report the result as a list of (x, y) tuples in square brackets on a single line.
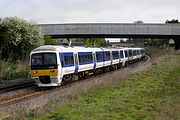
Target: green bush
[(10, 71), (155, 51), (17, 38)]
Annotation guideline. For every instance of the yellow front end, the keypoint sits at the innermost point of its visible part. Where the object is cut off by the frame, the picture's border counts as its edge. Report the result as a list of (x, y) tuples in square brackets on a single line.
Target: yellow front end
[(46, 77), (44, 68), (47, 72)]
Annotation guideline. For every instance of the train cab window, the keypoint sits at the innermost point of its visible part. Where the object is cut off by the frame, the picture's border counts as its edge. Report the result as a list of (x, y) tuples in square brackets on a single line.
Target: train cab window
[(126, 53), (115, 54), (43, 59), (67, 59), (99, 56), (121, 54), (50, 59), (36, 59)]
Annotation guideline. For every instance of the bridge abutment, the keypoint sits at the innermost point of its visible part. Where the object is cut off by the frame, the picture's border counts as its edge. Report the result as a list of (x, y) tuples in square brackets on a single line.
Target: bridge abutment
[(177, 43)]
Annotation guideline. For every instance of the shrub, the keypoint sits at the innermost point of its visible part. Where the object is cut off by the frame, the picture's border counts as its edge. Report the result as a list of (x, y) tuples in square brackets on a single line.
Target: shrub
[(10, 71)]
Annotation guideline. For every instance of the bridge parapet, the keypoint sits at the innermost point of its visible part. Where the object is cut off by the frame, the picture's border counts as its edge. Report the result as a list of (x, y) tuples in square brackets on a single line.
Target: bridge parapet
[(111, 29)]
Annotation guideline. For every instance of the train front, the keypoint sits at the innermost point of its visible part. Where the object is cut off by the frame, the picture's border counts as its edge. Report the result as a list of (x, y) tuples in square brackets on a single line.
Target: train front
[(44, 68)]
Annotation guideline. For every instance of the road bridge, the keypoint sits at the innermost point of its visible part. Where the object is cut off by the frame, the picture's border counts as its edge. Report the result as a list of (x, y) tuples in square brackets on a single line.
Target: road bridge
[(113, 30)]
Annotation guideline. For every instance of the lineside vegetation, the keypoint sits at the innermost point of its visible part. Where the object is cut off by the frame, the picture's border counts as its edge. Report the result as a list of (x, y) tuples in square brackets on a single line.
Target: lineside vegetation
[(17, 38), (151, 94)]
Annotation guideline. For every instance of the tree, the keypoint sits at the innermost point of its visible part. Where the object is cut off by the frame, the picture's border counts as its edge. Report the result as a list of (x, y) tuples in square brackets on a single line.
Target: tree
[(158, 42), (138, 22), (49, 41), (92, 42), (18, 38), (172, 21)]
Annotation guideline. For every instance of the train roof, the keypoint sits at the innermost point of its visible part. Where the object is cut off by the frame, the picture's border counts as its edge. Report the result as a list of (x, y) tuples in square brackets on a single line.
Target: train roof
[(63, 48), (50, 48)]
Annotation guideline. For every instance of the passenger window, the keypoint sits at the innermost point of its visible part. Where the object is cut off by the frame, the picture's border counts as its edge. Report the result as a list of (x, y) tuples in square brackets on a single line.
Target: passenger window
[(67, 59), (99, 56), (107, 55), (126, 53), (85, 57), (137, 52), (115, 54), (121, 54), (134, 52), (130, 53)]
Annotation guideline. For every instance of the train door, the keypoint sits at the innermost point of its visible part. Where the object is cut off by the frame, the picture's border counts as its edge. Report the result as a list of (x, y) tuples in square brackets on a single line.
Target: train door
[(94, 60), (76, 63)]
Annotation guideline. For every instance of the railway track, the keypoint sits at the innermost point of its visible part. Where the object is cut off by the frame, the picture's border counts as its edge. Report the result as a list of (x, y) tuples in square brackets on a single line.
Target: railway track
[(6, 101), (10, 100), (19, 97), (16, 87)]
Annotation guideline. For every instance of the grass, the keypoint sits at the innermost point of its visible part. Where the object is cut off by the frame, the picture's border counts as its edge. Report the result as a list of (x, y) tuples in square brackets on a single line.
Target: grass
[(11, 71), (155, 51), (149, 95)]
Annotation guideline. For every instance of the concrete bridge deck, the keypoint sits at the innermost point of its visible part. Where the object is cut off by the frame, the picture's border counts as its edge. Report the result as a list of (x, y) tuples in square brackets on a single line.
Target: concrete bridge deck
[(111, 29)]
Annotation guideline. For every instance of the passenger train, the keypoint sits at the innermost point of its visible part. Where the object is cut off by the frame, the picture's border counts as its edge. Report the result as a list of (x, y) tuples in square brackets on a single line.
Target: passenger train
[(52, 65)]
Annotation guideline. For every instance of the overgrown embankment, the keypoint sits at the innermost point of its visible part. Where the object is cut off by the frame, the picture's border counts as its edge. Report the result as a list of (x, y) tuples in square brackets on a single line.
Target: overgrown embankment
[(153, 51), (151, 94), (12, 70)]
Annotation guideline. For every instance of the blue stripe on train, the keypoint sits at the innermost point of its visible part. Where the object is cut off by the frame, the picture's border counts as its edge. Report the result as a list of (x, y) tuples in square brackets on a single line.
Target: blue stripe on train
[(94, 66), (76, 68)]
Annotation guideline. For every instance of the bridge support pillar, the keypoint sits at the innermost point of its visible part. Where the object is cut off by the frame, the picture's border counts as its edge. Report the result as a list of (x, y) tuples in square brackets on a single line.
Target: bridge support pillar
[(177, 43)]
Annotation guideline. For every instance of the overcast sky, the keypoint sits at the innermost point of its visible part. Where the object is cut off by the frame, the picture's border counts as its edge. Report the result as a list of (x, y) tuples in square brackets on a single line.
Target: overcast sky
[(91, 11)]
